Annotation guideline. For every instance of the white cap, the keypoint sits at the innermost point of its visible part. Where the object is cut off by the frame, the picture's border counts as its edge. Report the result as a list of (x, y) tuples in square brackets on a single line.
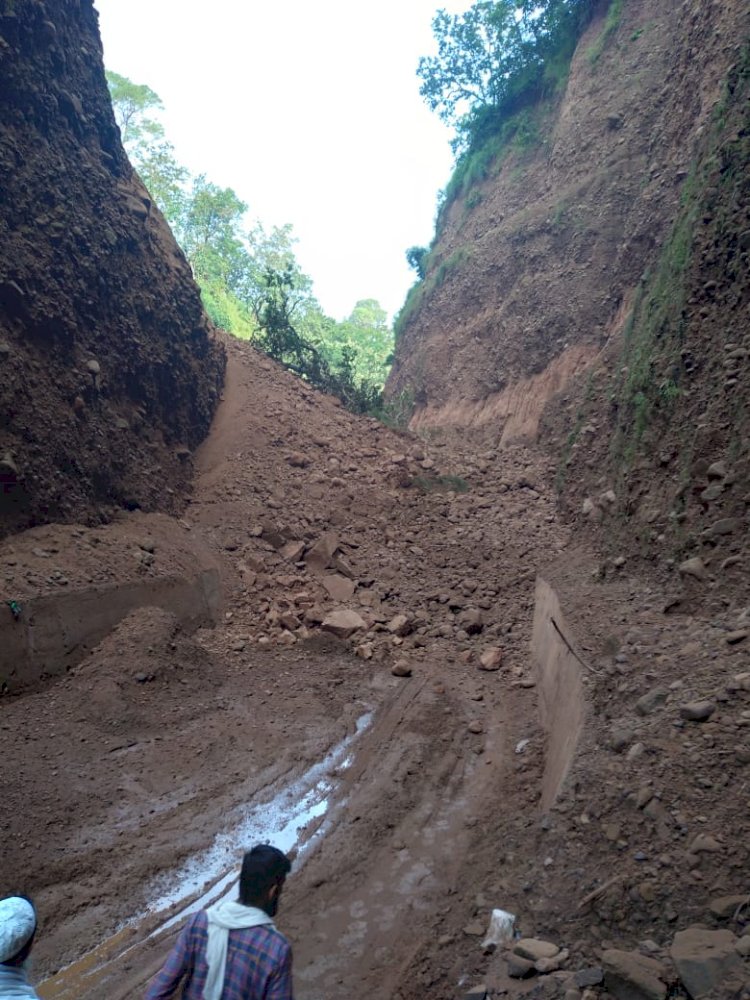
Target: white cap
[(17, 924)]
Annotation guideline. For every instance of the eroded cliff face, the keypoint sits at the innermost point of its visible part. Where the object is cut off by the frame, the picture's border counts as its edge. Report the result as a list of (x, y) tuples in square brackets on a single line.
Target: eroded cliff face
[(109, 372), (534, 271)]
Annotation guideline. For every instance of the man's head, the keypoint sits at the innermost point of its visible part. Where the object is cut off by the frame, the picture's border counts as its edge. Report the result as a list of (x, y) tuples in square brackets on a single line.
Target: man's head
[(262, 876), (17, 929)]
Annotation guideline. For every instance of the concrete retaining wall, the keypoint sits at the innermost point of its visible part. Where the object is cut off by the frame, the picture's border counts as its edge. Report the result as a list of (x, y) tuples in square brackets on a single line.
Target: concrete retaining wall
[(560, 689), (56, 631)]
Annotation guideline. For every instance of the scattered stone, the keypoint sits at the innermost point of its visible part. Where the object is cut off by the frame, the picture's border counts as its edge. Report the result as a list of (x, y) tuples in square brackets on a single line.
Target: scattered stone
[(705, 844), (401, 668), (343, 623), (629, 975), (697, 711), (474, 929), (472, 621), (319, 556), (547, 965), (593, 976), (619, 737), (726, 526), (399, 625), (491, 659), (694, 567), (339, 588), (293, 551), (533, 949), (519, 968), (725, 907), (704, 958), (651, 701)]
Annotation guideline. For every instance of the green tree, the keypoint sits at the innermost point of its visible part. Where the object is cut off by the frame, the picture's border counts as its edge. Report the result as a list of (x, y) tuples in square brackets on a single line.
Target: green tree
[(416, 258), (493, 59), (146, 144)]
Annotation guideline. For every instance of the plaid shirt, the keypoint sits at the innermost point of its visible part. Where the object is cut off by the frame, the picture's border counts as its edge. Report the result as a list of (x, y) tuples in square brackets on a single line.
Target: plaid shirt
[(259, 965)]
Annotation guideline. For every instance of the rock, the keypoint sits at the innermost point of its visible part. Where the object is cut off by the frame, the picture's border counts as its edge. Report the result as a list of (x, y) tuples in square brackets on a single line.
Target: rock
[(712, 493), (697, 711), (648, 703), (704, 958), (474, 929), (399, 625), (694, 567), (629, 975), (319, 556), (343, 623), (590, 510), (401, 668), (705, 844), (726, 526), (293, 551), (593, 976), (620, 736), (717, 471), (93, 367), (476, 993), (475, 726), (519, 968), (547, 965), (742, 946), (732, 638), (725, 907), (491, 659), (298, 460), (533, 949), (472, 621), (339, 588)]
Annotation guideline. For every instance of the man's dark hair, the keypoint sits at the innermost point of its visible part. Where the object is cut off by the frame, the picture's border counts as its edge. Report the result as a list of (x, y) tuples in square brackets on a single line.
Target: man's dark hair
[(262, 867)]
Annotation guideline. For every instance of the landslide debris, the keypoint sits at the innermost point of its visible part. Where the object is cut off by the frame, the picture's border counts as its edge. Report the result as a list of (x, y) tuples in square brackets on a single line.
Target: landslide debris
[(109, 373)]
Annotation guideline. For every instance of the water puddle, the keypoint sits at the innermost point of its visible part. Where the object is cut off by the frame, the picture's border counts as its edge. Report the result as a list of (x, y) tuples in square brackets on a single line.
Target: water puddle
[(294, 817)]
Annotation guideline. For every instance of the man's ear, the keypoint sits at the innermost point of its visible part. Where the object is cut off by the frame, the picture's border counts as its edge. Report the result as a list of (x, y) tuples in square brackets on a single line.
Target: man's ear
[(275, 890)]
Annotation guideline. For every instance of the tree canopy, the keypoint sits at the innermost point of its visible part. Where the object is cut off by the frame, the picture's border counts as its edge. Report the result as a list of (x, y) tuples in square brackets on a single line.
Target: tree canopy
[(251, 282), (495, 57)]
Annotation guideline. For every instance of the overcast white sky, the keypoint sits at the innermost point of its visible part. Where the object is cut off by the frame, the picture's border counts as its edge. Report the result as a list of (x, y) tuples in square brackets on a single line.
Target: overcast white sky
[(310, 110)]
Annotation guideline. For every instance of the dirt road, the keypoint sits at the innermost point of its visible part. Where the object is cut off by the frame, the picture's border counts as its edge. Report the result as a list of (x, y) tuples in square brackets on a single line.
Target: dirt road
[(129, 764)]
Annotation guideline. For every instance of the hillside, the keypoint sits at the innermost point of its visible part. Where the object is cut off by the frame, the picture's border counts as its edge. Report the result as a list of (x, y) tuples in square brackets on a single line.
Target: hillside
[(500, 661), (533, 269), (110, 372)]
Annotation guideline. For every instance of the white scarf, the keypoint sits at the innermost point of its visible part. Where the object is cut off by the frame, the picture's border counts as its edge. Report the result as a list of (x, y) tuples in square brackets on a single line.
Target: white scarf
[(14, 985), (225, 916)]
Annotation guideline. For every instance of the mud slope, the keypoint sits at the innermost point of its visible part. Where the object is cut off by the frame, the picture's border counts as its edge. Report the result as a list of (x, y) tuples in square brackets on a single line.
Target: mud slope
[(532, 268), (108, 366), (567, 786), (654, 441)]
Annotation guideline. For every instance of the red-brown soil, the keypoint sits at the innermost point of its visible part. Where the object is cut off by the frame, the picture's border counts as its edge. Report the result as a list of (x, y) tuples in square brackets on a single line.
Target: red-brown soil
[(141, 754)]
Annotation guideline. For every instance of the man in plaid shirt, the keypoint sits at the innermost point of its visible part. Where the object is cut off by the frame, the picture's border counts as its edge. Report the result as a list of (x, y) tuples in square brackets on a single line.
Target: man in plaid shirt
[(232, 951)]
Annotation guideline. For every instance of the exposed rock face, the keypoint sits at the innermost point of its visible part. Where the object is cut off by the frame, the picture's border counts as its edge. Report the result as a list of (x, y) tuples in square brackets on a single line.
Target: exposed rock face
[(109, 373), (534, 268)]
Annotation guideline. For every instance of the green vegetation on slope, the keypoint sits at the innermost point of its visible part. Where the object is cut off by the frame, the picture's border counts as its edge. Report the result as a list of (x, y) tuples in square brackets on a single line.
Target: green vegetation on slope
[(495, 64), (250, 280)]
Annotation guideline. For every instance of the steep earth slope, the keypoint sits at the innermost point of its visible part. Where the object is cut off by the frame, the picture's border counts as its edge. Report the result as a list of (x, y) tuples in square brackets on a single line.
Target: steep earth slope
[(654, 441), (110, 373), (533, 270)]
